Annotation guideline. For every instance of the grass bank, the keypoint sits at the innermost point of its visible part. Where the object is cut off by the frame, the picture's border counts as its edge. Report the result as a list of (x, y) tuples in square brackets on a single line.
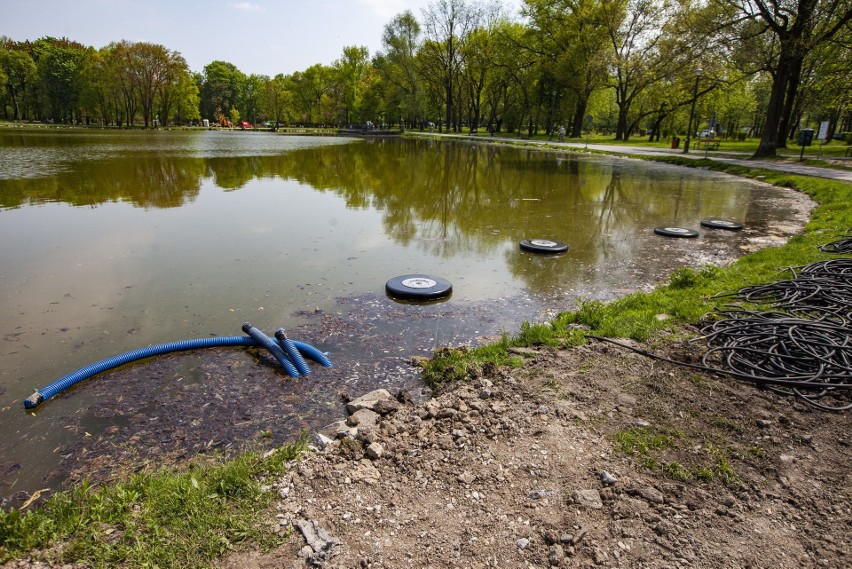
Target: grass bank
[(164, 519), (688, 295)]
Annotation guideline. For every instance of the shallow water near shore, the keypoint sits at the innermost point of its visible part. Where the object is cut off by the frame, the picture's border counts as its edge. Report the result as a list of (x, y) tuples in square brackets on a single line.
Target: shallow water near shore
[(116, 241)]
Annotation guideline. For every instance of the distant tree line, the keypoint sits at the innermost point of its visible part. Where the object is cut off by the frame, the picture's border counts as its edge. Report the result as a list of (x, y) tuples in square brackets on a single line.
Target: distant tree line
[(123, 84), (627, 67)]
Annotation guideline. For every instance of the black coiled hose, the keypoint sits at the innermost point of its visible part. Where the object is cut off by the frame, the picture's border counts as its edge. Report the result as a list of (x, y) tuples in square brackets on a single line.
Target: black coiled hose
[(793, 356), (840, 246), (813, 296), (803, 349)]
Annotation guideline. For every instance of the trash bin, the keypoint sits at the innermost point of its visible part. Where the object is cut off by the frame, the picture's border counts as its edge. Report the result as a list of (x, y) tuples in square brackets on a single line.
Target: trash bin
[(675, 142), (806, 136)]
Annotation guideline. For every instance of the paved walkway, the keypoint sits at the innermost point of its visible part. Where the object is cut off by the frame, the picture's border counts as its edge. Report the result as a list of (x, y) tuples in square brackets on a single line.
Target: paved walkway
[(695, 154)]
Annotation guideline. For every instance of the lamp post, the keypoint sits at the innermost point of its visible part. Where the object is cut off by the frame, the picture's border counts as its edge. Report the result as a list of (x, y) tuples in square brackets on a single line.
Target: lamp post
[(698, 73)]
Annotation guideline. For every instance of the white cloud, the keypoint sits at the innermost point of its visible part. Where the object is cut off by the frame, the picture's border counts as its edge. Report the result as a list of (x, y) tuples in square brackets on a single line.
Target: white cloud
[(247, 6)]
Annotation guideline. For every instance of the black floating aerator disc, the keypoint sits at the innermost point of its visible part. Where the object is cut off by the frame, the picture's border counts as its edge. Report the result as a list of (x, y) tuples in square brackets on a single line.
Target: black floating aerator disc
[(675, 232), (543, 246), (721, 224), (418, 287)]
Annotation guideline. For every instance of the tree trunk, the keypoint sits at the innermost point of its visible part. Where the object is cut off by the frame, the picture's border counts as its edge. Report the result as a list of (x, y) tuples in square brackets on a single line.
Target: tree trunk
[(623, 103), (793, 80), (657, 126), (579, 115), (833, 118), (774, 112), (788, 71), (621, 124), (14, 105)]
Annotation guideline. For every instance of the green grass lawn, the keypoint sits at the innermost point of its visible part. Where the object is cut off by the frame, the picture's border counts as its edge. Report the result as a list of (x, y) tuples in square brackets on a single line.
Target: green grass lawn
[(834, 149), (162, 519)]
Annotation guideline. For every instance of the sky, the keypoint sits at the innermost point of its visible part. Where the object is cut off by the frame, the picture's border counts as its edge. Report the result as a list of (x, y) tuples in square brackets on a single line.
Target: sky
[(264, 37)]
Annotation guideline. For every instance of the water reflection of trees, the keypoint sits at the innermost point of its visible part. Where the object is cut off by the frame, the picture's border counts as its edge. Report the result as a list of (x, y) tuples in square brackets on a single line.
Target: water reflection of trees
[(442, 197), (145, 182)]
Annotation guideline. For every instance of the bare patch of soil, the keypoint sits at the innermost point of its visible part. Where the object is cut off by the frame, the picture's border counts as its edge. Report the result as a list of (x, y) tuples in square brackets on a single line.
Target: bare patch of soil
[(592, 456)]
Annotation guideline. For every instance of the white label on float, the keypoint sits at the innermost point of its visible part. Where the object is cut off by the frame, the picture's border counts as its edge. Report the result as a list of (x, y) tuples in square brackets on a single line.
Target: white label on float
[(542, 243), (721, 222), (419, 282), (677, 229)]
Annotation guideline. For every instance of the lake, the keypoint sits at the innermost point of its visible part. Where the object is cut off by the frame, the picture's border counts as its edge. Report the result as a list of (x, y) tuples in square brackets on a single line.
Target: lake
[(113, 241)]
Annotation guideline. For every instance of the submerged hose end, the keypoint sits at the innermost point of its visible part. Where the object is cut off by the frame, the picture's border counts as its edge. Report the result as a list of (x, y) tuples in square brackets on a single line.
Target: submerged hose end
[(33, 400), (313, 353), (273, 348), (292, 351)]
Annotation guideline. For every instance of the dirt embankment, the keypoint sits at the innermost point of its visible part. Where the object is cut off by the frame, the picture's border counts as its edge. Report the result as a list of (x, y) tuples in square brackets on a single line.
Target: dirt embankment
[(585, 457)]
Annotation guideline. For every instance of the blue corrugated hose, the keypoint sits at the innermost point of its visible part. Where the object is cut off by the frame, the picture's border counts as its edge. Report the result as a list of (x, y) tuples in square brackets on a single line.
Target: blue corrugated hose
[(42, 395), (292, 352), (276, 350)]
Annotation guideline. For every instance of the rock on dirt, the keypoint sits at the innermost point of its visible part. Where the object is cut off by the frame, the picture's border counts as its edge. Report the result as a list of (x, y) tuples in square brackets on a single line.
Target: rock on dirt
[(587, 457)]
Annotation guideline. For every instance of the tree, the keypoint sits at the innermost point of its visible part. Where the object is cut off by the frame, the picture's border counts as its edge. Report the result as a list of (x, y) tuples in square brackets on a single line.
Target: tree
[(794, 28), (518, 60), (507, 64), (635, 28), (734, 103), (177, 95), (58, 63), (19, 71), (97, 106), (480, 55), (447, 26), (148, 68), (349, 72), (829, 96), (220, 91), (371, 102), (397, 65), (116, 66), (276, 99), (3, 78), (573, 47), (250, 102), (308, 89), (186, 100)]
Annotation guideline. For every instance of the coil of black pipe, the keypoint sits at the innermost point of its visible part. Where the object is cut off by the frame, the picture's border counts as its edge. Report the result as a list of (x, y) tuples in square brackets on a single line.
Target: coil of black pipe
[(840, 246), (802, 348)]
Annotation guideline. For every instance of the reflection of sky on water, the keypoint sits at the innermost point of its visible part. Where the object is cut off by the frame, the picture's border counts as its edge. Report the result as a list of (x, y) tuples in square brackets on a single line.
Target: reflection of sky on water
[(42, 154), (180, 236)]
